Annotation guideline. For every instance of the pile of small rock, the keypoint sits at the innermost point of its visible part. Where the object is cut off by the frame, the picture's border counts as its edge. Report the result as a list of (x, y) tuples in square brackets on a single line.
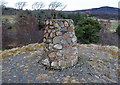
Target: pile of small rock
[(60, 44)]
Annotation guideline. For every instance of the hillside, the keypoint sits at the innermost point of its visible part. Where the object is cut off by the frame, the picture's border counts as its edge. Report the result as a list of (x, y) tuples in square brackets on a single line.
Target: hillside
[(102, 12)]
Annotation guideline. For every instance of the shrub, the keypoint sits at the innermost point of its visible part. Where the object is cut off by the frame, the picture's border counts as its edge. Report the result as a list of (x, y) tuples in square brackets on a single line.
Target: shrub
[(41, 24), (76, 17), (118, 30), (5, 38), (28, 31), (7, 24), (87, 31)]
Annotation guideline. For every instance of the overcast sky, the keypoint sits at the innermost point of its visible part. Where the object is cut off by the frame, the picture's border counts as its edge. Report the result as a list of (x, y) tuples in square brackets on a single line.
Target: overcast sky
[(71, 4)]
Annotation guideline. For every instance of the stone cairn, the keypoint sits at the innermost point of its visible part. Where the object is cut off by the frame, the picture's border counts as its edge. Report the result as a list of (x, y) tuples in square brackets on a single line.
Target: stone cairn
[(60, 44)]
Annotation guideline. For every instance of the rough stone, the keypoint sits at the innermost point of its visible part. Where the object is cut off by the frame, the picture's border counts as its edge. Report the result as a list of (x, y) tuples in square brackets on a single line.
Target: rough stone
[(49, 31), (66, 46), (58, 58), (46, 28), (44, 40), (45, 31), (47, 22), (65, 35), (68, 50), (59, 28), (71, 23), (51, 23), (70, 29), (54, 64), (75, 51), (57, 40), (63, 41), (52, 55), (50, 46), (58, 33), (46, 45), (66, 57), (51, 27), (74, 39), (51, 35), (46, 61), (58, 46), (49, 40), (59, 54), (53, 31), (56, 25), (46, 49), (71, 35), (62, 63), (61, 24), (46, 36), (52, 59), (69, 40), (64, 30), (66, 24)]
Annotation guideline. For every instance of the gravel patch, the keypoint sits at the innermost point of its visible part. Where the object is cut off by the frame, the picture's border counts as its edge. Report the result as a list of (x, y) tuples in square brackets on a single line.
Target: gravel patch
[(93, 67)]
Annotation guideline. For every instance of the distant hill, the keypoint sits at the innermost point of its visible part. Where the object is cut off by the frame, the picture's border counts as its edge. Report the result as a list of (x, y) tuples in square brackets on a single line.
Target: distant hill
[(9, 11), (105, 12), (102, 12)]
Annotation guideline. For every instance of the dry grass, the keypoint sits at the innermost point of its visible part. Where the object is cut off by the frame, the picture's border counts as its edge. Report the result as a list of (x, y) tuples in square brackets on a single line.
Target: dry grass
[(22, 50), (11, 18), (35, 47), (108, 49)]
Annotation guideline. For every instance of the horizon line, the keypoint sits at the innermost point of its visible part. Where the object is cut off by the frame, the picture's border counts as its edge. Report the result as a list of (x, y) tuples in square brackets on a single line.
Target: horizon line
[(65, 10)]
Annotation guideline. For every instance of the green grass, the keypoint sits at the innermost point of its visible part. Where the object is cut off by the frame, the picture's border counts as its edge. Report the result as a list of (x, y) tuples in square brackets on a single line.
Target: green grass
[(11, 18)]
